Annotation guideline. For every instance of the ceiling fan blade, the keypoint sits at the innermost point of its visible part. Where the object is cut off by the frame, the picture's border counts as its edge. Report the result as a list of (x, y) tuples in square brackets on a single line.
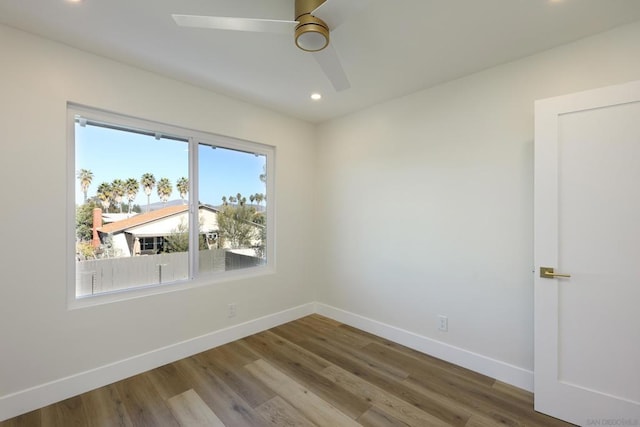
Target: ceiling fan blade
[(236, 24), (335, 12), (330, 64)]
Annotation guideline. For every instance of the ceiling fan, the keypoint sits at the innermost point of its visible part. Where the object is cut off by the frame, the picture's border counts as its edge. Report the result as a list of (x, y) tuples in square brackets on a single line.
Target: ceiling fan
[(314, 21)]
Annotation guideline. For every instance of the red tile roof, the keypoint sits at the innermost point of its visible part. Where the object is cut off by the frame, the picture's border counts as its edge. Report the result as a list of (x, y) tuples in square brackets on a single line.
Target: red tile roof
[(143, 218)]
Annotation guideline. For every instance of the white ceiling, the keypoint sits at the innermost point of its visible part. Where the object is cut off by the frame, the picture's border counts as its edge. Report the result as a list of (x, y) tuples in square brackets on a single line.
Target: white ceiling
[(395, 47)]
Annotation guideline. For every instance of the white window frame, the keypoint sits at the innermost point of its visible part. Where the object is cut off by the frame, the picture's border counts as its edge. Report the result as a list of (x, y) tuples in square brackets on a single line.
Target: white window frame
[(195, 139)]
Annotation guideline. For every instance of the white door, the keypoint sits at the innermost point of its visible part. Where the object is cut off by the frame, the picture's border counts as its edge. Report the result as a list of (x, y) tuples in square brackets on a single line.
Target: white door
[(587, 225)]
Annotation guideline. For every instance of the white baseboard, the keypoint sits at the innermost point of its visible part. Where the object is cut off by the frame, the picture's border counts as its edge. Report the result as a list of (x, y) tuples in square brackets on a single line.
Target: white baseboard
[(33, 398), (45, 394), (502, 371)]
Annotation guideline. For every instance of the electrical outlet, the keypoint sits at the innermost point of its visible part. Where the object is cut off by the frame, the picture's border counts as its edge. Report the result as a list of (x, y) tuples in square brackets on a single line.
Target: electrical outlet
[(443, 323), (231, 310)]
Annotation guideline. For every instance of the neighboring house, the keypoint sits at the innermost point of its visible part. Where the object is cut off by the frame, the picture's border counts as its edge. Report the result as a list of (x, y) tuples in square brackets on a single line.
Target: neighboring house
[(153, 227)]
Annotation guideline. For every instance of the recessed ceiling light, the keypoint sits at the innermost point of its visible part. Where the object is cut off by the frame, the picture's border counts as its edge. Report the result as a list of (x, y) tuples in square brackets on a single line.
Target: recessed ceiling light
[(74, 1), (316, 96)]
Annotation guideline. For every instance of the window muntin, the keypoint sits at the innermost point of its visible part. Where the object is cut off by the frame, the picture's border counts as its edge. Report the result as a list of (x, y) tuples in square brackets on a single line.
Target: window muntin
[(128, 239)]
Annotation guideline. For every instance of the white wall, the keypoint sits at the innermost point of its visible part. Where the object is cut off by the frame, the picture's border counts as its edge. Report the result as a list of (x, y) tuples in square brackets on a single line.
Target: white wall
[(420, 206), (426, 204), (41, 340)]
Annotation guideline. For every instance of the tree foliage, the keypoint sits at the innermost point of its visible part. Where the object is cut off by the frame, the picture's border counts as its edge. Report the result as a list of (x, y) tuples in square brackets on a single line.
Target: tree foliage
[(118, 191), (148, 181), (183, 187), (85, 250), (85, 176), (131, 186), (164, 189), (105, 195), (178, 240), (240, 225), (84, 221)]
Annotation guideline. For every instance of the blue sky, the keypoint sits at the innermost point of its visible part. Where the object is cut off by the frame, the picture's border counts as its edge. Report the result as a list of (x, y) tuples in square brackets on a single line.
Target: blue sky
[(112, 154)]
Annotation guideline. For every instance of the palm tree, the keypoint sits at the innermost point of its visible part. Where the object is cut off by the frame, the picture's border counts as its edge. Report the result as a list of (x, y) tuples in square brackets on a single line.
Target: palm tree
[(105, 195), (164, 190), (131, 186), (224, 200), (118, 191), (252, 198), (259, 198), (85, 176), (183, 188), (148, 181)]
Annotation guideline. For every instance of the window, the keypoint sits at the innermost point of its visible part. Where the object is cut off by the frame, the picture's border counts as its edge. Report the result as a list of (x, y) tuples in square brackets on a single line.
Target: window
[(156, 204)]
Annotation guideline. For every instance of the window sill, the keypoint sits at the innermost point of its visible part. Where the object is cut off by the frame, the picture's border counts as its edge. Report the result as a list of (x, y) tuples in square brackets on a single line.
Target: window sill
[(183, 285)]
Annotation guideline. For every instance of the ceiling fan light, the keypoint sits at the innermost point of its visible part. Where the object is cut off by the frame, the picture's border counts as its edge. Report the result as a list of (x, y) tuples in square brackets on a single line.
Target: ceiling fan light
[(312, 34), (311, 41)]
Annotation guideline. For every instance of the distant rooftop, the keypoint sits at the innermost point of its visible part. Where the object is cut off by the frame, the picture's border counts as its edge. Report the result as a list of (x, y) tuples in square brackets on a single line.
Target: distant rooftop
[(142, 218), (113, 217)]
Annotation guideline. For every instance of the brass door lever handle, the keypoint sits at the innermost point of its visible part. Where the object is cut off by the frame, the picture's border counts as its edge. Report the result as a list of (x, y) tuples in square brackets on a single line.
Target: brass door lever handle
[(548, 273)]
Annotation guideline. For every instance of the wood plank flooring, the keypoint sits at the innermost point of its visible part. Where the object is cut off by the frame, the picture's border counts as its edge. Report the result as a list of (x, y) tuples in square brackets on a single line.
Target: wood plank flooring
[(310, 372)]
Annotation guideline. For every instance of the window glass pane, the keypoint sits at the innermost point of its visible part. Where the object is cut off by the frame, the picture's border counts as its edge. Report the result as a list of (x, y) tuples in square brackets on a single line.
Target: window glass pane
[(232, 214), (132, 216)]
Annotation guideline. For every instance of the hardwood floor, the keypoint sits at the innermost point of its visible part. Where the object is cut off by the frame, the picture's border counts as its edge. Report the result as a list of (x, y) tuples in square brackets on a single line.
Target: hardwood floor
[(310, 372)]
